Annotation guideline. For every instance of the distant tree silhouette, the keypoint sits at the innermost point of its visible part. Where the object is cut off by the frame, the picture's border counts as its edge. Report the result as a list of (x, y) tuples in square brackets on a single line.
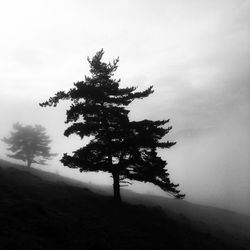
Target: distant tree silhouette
[(126, 149), (29, 144)]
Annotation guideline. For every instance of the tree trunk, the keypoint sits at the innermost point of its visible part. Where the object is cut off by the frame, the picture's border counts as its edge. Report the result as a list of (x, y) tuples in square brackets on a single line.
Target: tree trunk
[(28, 164), (116, 188)]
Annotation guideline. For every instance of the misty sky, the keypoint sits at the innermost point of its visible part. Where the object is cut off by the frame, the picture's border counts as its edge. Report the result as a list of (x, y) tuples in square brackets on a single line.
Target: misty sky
[(196, 53)]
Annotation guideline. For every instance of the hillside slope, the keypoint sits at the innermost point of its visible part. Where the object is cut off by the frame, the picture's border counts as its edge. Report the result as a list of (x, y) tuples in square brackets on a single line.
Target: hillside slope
[(43, 211)]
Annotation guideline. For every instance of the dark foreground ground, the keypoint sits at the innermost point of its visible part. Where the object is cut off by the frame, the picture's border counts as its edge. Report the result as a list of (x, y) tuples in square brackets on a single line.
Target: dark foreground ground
[(38, 213)]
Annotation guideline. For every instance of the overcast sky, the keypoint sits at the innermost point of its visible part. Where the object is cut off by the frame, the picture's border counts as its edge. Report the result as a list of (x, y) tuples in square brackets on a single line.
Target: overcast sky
[(196, 53)]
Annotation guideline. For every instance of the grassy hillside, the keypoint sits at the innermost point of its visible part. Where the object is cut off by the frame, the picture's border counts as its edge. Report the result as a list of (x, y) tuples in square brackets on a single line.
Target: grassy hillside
[(40, 210)]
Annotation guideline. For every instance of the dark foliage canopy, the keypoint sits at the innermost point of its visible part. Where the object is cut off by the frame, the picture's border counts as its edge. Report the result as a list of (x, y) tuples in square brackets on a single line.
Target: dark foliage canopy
[(126, 149), (29, 144)]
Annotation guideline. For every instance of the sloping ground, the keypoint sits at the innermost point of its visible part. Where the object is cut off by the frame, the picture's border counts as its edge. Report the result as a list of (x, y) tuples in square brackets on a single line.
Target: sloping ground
[(38, 213), (226, 225)]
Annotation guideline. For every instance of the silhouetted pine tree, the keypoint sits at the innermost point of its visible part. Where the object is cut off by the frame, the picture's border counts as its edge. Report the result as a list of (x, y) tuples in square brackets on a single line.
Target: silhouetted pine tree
[(29, 144), (125, 149)]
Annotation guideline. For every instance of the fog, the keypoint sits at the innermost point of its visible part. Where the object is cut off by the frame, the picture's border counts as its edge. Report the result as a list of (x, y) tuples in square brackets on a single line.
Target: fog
[(213, 166), (195, 53)]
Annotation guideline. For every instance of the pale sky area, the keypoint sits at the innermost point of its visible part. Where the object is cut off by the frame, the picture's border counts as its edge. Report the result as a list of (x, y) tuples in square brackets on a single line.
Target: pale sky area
[(196, 53)]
